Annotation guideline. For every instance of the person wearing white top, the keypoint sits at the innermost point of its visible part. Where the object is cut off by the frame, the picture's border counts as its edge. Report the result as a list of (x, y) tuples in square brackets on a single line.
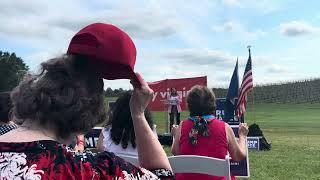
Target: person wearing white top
[(174, 108), (118, 134)]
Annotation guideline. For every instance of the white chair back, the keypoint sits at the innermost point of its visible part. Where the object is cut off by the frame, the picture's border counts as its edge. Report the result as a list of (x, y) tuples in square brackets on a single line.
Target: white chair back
[(193, 164), (200, 165)]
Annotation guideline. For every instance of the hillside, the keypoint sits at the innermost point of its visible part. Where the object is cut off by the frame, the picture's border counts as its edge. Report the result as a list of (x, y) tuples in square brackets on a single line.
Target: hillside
[(307, 91)]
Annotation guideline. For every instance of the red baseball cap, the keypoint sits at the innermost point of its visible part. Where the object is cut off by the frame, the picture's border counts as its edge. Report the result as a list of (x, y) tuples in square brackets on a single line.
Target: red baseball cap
[(110, 49)]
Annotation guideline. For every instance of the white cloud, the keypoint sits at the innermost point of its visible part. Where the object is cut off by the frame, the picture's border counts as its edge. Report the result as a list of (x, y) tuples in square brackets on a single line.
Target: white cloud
[(36, 58), (277, 69), (216, 64), (224, 78), (37, 23), (297, 28), (30, 7), (115, 84), (226, 27), (201, 57), (239, 32), (172, 37), (142, 24)]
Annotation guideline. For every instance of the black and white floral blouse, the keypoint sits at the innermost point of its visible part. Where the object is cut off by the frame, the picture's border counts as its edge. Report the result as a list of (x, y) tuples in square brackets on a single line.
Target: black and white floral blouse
[(50, 160)]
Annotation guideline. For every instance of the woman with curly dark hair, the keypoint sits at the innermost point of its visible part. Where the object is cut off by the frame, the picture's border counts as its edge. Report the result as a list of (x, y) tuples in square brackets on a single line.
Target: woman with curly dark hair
[(205, 135), (118, 134), (67, 99)]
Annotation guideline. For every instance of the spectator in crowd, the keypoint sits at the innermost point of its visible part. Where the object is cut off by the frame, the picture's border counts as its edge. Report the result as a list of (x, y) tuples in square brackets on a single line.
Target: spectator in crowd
[(6, 124), (67, 99), (174, 108), (118, 134), (203, 134)]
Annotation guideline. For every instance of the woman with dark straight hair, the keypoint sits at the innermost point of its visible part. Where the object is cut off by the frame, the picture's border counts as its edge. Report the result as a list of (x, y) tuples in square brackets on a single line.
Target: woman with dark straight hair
[(118, 134)]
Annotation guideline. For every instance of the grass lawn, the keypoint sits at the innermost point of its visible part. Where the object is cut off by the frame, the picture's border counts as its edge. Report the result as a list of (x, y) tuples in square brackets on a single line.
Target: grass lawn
[(293, 130)]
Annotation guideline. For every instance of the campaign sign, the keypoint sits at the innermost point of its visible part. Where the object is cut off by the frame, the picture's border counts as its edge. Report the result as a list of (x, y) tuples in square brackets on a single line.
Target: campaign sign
[(241, 168), (161, 91), (226, 111), (253, 143), (92, 137)]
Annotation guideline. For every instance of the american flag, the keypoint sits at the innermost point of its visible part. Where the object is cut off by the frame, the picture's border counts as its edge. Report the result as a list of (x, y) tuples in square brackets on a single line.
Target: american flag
[(246, 87)]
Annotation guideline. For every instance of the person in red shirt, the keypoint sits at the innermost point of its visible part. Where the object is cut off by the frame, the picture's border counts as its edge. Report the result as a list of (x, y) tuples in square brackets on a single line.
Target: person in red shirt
[(203, 134)]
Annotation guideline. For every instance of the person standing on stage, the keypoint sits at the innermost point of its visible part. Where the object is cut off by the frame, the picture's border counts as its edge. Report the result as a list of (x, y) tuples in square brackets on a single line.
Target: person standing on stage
[(174, 108)]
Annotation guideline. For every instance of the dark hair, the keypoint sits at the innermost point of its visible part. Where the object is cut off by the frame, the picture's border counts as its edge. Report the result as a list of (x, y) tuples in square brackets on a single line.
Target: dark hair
[(66, 96), (5, 106), (175, 93), (201, 101), (122, 130)]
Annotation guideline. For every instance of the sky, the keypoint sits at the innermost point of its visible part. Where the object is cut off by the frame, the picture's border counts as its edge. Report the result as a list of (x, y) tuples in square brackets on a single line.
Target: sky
[(177, 39)]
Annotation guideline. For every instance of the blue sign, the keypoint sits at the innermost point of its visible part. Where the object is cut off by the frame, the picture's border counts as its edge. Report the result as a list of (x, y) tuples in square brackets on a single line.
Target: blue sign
[(253, 143), (92, 137), (227, 116), (241, 168)]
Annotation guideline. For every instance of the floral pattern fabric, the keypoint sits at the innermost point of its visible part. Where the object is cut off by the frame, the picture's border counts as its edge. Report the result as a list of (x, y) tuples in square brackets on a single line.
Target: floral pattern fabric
[(50, 160)]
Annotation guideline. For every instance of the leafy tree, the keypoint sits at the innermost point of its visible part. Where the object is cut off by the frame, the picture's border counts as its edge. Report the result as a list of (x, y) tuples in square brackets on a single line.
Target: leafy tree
[(12, 69), (114, 93), (109, 92)]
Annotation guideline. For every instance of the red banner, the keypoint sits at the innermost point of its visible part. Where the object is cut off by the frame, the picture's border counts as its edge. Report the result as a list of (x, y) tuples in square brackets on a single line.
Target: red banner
[(162, 90)]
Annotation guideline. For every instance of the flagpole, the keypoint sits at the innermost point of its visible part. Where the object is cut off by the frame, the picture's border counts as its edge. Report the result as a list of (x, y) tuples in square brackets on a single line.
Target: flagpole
[(252, 99), (253, 110), (166, 111)]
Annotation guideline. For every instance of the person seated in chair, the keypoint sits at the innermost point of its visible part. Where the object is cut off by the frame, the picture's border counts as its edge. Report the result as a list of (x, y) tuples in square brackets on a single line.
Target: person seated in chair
[(204, 135)]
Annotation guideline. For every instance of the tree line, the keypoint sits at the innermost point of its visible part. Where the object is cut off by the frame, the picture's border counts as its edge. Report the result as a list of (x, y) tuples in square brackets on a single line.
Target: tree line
[(12, 70), (109, 92)]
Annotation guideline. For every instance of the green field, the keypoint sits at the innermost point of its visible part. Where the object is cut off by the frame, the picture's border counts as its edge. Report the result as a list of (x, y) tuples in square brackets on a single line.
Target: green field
[(293, 130)]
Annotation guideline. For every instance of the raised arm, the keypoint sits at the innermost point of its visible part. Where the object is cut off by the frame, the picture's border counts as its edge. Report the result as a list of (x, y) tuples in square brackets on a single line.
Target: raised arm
[(100, 147), (237, 149), (150, 152), (179, 99), (80, 143), (176, 134)]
